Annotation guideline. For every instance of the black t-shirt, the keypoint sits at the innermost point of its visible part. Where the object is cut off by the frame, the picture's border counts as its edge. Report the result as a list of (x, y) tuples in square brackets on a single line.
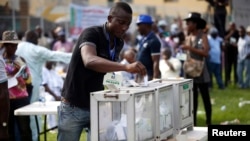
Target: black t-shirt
[(229, 47), (80, 81), (220, 8), (151, 45)]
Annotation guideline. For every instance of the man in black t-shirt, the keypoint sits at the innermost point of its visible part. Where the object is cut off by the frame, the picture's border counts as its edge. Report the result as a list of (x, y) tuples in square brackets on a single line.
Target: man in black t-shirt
[(220, 14), (96, 53), (231, 53)]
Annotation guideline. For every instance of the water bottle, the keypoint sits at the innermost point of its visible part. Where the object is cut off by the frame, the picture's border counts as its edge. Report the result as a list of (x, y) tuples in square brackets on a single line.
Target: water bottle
[(42, 95)]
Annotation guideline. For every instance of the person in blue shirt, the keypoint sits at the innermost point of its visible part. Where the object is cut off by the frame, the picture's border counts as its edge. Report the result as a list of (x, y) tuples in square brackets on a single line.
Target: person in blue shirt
[(214, 60), (149, 47)]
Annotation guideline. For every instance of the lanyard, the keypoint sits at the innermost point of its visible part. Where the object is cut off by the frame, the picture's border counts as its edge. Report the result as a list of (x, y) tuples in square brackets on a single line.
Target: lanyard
[(145, 38), (111, 51)]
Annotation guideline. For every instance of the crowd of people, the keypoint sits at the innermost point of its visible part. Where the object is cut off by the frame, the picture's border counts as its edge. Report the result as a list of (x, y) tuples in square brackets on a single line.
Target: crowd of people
[(159, 50)]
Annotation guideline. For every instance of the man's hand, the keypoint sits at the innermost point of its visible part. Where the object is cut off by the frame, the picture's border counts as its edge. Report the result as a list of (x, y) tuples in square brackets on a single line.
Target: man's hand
[(137, 67), (57, 98)]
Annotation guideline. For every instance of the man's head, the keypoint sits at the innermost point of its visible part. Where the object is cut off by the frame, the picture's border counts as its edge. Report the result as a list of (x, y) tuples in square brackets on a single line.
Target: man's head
[(213, 32), (39, 31), (50, 64), (119, 19), (32, 37), (166, 53), (242, 31), (144, 24), (232, 26), (61, 36), (130, 55), (162, 24)]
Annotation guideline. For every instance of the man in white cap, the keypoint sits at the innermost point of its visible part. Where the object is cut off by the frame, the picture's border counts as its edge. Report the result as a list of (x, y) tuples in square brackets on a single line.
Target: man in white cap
[(162, 24), (214, 60)]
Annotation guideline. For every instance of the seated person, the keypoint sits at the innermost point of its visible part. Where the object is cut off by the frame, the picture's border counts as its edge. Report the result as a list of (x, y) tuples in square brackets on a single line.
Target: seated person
[(53, 84), (170, 67)]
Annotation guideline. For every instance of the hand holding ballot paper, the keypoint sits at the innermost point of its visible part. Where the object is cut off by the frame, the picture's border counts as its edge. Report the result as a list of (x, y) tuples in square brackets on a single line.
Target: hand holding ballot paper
[(113, 81), (12, 81)]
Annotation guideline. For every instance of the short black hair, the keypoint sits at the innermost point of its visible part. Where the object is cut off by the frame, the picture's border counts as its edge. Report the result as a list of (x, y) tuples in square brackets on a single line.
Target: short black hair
[(242, 28), (120, 5), (31, 36), (167, 51)]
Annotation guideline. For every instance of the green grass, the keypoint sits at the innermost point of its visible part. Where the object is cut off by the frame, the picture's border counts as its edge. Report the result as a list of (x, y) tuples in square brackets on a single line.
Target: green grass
[(229, 97)]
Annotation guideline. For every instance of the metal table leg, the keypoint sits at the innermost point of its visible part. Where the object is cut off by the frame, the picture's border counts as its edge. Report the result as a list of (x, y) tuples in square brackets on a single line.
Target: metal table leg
[(37, 126), (45, 128)]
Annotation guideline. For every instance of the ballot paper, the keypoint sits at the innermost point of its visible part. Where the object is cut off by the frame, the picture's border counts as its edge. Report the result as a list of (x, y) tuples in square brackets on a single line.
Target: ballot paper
[(12, 81)]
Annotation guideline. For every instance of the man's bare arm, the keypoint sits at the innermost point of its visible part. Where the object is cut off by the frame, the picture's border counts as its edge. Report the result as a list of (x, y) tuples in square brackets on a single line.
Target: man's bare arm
[(99, 64)]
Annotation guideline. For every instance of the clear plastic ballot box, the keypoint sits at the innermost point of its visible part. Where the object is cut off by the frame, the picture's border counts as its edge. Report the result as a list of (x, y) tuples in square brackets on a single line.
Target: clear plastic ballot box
[(183, 103), (164, 100), (132, 113)]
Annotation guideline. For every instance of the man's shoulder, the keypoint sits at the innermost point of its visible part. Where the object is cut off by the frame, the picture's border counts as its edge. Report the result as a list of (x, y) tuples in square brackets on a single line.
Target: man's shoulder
[(154, 40), (93, 29), (23, 47), (23, 43)]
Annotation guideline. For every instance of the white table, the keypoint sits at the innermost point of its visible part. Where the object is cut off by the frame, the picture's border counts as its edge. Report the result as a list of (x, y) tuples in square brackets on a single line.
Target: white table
[(38, 108)]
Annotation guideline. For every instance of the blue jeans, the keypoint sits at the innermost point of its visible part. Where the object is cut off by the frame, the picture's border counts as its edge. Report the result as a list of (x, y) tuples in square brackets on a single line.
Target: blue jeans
[(71, 122), (243, 70), (215, 69)]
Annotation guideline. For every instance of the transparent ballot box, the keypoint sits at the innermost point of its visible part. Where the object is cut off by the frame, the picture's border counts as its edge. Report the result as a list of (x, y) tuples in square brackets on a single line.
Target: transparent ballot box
[(123, 115), (164, 117), (164, 110), (183, 103)]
